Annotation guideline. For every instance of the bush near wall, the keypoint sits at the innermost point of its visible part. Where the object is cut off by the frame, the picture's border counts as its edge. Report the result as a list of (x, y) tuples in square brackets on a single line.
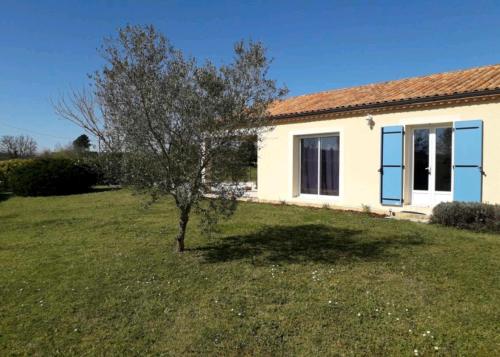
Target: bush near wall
[(51, 176), (473, 216), (6, 167)]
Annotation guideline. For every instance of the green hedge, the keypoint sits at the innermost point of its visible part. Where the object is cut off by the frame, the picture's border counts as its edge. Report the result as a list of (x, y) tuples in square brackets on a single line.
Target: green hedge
[(6, 167), (51, 176), (473, 216), (107, 166)]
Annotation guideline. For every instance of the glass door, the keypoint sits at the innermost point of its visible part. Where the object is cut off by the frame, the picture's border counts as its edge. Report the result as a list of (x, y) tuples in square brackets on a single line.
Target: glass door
[(319, 166), (443, 164), (432, 165)]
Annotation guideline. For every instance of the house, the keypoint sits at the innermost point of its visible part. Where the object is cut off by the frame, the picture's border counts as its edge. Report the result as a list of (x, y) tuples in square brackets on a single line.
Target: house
[(401, 145)]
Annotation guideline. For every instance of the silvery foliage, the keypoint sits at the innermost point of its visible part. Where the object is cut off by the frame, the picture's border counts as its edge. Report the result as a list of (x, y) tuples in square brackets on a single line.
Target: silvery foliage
[(177, 122)]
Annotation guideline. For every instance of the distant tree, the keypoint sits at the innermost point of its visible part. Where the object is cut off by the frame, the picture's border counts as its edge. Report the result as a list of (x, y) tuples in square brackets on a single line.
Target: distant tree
[(248, 149), (173, 118), (20, 146), (81, 143)]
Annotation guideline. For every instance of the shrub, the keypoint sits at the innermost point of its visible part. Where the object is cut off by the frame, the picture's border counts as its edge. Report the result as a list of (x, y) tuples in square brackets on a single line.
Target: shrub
[(474, 216), (107, 166), (51, 176), (6, 167)]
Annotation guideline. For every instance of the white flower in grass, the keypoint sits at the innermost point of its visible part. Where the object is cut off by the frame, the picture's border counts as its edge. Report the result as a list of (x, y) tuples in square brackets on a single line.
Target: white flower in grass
[(410, 331), (415, 352), (428, 332), (329, 301), (359, 313), (436, 348)]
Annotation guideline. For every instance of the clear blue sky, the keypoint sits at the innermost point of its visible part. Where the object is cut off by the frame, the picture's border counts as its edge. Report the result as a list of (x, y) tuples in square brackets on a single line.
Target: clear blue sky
[(47, 47)]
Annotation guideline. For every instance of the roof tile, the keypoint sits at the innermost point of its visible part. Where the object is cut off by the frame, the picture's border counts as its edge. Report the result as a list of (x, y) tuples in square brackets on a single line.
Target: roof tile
[(435, 85)]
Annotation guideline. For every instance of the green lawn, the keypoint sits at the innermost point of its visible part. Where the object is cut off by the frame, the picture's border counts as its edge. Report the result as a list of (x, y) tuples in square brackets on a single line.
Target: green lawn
[(96, 274)]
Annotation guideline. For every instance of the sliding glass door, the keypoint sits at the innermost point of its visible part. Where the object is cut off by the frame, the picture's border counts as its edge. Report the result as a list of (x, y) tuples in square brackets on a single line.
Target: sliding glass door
[(309, 166), (319, 165)]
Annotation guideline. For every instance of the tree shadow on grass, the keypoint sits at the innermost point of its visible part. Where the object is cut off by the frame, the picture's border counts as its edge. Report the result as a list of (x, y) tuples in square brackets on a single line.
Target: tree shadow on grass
[(103, 188), (306, 243), (4, 196)]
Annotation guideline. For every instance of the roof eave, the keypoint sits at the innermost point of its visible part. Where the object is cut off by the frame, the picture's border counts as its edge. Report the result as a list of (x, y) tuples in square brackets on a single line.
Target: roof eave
[(396, 103)]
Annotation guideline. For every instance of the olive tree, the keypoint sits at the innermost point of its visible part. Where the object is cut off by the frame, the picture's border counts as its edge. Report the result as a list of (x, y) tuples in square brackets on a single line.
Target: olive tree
[(177, 123)]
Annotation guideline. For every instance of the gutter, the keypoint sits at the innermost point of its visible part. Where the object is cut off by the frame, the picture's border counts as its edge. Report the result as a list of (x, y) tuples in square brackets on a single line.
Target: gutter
[(377, 105)]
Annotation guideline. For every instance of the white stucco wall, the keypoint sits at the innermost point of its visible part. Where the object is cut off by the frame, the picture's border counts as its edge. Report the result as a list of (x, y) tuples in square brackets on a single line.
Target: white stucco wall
[(360, 154)]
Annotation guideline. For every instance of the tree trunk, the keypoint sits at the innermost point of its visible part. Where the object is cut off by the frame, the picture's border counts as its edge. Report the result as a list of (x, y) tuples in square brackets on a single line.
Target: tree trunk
[(183, 221)]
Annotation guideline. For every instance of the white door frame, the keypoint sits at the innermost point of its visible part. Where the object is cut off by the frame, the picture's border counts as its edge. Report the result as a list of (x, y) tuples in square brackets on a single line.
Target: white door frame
[(430, 197)]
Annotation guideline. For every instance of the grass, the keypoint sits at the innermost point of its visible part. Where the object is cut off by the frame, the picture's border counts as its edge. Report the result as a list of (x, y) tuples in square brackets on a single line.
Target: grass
[(97, 274)]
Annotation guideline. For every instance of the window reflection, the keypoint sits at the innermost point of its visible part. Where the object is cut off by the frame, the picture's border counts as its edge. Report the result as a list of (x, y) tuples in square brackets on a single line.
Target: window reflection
[(421, 159), (443, 159)]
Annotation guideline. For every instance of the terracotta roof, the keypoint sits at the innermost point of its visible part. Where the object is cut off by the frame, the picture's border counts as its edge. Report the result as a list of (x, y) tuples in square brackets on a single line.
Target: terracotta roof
[(470, 81)]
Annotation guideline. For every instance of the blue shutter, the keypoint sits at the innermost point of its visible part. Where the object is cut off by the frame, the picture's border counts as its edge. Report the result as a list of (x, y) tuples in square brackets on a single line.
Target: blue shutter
[(391, 170), (468, 161)]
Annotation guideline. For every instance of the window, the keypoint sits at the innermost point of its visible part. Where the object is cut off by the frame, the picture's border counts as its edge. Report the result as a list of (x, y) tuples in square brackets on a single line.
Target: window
[(319, 165), (421, 158), (443, 159)]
